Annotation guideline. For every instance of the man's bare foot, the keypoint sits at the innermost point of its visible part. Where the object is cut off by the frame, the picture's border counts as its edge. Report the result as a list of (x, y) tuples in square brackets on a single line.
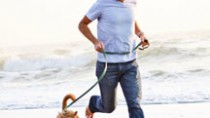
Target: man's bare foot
[(88, 113)]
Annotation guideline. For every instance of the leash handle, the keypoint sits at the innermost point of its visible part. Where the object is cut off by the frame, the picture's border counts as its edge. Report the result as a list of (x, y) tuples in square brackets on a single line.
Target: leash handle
[(143, 47)]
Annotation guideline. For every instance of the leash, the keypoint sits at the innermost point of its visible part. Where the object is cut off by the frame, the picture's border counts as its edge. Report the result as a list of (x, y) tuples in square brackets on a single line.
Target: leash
[(105, 69), (100, 78)]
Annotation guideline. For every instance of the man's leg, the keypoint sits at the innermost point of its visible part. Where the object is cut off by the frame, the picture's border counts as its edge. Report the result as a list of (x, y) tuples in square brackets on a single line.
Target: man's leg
[(105, 103), (130, 83)]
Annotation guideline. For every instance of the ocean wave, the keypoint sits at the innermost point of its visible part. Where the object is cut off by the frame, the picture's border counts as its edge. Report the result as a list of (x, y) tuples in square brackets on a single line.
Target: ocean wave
[(190, 43), (32, 62), (171, 48), (61, 58), (176, 51)]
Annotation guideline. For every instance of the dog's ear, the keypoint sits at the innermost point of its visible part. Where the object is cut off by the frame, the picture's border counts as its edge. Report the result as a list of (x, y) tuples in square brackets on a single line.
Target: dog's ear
[(75, 113)]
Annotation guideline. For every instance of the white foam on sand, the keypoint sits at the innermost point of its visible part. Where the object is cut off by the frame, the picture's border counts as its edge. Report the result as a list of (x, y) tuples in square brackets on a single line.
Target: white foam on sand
[(192, 110)]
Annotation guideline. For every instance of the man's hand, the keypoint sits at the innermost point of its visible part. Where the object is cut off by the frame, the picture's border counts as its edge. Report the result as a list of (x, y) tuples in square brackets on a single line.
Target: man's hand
[(99, 46), (145, 43)]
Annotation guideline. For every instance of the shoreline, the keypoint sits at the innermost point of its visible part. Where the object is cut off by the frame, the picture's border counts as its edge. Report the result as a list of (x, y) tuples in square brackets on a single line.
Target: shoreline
[(186, 110)]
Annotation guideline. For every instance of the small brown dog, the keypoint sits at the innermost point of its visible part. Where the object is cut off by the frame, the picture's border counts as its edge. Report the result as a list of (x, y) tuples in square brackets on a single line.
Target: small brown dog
[(67, 113)]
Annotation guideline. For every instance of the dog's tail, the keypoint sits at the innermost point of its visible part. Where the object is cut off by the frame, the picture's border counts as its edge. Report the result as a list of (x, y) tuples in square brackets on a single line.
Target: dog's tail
[(65, 99)]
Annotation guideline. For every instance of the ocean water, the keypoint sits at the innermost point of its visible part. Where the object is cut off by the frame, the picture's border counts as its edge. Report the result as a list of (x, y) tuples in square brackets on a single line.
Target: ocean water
[(174, 69)]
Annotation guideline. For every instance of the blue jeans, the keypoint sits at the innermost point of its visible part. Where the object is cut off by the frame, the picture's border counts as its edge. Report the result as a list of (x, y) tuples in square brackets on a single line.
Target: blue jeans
[(127, 74)]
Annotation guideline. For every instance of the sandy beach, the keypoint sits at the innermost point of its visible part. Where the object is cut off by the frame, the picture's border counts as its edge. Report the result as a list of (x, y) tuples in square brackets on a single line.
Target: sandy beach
[(190, 110)]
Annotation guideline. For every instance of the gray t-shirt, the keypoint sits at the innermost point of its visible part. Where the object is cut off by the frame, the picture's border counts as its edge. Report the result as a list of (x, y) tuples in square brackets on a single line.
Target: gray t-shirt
[(115, 29)]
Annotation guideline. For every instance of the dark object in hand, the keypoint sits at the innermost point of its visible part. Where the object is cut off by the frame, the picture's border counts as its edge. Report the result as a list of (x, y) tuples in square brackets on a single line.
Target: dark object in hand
[(144, 44)]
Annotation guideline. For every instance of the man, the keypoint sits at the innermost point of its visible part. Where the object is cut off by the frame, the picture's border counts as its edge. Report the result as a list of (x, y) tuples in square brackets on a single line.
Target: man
[(116, 29)]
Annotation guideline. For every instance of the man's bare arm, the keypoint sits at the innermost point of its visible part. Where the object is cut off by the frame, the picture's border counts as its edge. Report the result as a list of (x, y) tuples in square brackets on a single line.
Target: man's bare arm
[(85, 30), (139, 32)]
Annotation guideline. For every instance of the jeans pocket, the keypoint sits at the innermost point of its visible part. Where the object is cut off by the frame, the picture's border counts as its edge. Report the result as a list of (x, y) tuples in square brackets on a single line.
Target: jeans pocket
[(112, 69), (135, 64)]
